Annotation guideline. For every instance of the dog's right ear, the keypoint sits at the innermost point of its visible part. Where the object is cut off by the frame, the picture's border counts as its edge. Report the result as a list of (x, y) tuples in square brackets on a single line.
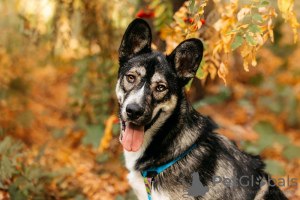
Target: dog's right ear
[(186, 59), (137, 39)]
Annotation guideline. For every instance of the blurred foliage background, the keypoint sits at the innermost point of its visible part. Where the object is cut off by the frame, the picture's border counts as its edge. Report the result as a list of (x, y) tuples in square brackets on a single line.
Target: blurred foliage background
[(58, 70)]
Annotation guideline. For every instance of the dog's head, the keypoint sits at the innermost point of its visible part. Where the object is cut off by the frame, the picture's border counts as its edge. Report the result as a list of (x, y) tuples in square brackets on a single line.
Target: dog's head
[(150, 82)]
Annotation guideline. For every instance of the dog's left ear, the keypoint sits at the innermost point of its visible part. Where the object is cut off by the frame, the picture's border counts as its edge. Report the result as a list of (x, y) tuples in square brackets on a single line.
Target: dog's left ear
[(137, 39), (186, 58)]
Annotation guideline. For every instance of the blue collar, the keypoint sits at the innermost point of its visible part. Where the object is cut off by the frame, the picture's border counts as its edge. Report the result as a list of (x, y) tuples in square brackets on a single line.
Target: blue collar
[(147, 180)]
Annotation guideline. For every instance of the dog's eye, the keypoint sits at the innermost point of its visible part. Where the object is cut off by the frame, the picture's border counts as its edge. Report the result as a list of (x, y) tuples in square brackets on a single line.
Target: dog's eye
[(160, 88), (130, 78)]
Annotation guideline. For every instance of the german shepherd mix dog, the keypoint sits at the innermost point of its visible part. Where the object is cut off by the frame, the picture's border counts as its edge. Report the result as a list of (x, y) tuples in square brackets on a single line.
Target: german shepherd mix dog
[(166, 140)]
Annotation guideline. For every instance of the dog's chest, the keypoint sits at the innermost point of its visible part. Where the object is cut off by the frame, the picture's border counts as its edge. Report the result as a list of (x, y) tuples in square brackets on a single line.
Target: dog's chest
[(136, 180)]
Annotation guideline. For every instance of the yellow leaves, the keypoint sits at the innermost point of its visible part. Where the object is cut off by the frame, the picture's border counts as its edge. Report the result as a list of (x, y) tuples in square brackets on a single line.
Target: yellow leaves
[(105, 141), (223, 72), (234, 2), (212, 70), (294, 24), (258, 40), (246, 50), (244, 11), (270, 29), (243, 27), (286, 7), (273, 13), (246, 26), (254, 63)]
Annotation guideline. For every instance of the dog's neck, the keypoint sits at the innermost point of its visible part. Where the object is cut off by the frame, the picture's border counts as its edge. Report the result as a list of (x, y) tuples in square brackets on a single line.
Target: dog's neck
[(182, 129)]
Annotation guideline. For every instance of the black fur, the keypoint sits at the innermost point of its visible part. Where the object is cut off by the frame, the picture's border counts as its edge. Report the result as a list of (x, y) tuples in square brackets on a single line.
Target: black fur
[(214, 154)]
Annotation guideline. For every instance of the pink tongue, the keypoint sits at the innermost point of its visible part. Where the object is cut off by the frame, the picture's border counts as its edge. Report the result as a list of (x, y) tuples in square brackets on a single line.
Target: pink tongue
[(133, 137)]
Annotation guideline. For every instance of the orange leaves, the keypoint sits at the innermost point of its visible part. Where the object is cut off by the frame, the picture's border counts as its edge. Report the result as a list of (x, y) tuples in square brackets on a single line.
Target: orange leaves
[(105, 140), (286, 7), (294, 24), (249, 27)]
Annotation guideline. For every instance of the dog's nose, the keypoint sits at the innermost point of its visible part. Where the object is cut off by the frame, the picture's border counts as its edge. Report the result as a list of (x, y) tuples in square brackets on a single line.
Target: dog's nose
[(134, 111)]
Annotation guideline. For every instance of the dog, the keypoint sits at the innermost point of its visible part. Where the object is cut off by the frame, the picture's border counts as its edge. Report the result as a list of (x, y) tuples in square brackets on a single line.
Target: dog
[(161, 129)]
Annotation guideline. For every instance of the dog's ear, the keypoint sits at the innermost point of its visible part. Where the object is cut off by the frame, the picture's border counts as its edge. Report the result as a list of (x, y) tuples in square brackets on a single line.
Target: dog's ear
[(137, 39), (186, 58)]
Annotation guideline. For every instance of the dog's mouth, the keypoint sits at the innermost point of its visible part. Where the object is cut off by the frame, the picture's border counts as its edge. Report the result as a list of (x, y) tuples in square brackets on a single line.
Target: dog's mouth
[(132, 135)]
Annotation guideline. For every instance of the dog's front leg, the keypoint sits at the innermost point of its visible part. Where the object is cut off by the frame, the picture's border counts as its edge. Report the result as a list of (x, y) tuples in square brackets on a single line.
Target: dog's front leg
[(136, 181)]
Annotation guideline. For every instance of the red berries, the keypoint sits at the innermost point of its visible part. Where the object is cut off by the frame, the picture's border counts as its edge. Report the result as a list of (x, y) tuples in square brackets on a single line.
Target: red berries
[(143, 14), (202, 21)]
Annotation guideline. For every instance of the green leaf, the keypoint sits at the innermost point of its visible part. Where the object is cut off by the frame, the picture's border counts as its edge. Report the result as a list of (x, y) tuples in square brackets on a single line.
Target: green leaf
[(257, 17), (58, 133), (20, 181), (188, 85), (119, 197), (251, 148), (254, 10), (102, 158), (154, 3), (237, 42), (41, 152), (115, 129), (272, 104), (274, 168), (6, 167), (264, 127), (2, 130), (93, 135), (254, 28), (291, 151), (266, 132), (204, 45), (268, 136), (179, 21), (160, 10), (15, 193), (4, 145), (293, 102), (160, 20), (282, 139), (223, 95), (233, 31), (200, 73), (247, 19), (263, 4), (130, 195), (202, 64), (256, 80), (80, 197), (191, 6), (25, 118), (250, 40), (31, 172), (1, 185)]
